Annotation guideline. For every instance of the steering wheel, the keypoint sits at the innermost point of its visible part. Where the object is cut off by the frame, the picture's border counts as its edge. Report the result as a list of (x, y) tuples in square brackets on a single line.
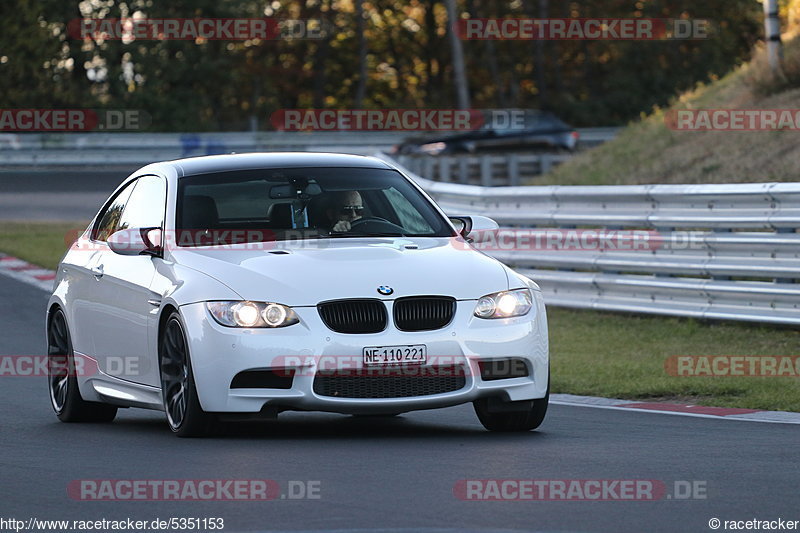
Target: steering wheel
[(365, 220), (369, 225)]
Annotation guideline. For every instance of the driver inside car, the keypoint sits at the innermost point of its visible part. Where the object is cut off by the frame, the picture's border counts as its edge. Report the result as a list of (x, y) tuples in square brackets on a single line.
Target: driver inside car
[(345, 208)]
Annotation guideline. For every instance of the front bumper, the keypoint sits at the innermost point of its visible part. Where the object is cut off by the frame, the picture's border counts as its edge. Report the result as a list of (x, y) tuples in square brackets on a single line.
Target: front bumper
[(219, 353)]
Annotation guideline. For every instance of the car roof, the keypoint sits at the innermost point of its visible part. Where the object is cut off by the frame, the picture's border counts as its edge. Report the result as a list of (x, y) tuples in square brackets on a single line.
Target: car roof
[(231, 162)]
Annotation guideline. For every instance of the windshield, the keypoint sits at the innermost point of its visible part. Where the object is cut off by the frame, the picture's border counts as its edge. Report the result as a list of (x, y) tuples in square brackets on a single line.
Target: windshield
[(301, 203)]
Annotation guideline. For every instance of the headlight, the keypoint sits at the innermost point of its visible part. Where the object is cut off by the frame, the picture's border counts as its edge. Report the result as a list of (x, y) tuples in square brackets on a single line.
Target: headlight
[(504, 304), (252, 314)]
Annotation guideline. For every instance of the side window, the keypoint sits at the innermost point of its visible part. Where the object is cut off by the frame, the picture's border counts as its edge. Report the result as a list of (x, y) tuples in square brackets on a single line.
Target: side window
[(145, 207), (109, 220)]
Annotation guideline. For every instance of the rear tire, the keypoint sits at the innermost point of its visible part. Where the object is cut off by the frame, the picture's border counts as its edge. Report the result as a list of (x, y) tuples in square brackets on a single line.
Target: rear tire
[(65, 396), (185, 416), (518, 417)]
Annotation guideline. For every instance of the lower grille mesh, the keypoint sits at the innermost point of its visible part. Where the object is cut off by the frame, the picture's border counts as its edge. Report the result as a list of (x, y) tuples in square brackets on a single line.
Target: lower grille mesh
[(380, 383)]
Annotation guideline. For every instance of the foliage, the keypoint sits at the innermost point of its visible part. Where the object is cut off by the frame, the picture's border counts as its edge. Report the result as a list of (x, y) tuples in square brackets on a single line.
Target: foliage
[(648, 151), (759, 77), (218, 85)]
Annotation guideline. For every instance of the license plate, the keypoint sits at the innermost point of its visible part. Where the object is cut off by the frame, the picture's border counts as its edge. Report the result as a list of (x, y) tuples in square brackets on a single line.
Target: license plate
[(392, 355)]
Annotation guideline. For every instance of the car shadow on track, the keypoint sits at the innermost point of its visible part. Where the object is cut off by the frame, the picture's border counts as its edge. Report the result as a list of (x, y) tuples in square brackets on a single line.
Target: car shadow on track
[(311, 426)]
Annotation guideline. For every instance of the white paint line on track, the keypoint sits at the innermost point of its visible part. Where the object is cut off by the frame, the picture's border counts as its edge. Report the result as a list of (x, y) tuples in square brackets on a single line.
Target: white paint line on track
[(770, 417), (26, 272)]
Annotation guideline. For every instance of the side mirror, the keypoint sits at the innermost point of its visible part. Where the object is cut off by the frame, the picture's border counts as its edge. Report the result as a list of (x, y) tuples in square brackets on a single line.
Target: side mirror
[(473, 226), (462, 225), (136, 241)]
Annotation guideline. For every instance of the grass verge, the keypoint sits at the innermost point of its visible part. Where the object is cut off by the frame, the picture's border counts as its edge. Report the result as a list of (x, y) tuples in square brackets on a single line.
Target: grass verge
[(647, 151), (40, 243), (593, 353), (622, 356)]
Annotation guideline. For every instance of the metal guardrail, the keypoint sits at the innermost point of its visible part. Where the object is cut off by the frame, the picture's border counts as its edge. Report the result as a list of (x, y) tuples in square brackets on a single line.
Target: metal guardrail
[(137, 149), (722, 251), (485, 170), (27, 150), (490, 170)]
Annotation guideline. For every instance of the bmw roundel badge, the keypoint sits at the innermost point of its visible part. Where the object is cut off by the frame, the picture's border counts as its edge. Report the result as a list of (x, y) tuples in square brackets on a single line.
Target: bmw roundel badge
[(385, 290)]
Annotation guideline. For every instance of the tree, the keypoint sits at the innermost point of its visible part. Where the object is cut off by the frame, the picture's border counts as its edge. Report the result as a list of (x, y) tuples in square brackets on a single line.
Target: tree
[(459, 70), (361, 88)]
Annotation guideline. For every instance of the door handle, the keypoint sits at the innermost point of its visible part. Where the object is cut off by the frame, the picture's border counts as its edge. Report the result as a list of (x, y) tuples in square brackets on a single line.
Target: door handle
[(98, 272)]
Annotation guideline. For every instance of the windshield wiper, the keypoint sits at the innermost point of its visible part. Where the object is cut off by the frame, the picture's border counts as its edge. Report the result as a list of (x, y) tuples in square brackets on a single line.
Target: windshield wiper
[(379, 234), (346, 234)]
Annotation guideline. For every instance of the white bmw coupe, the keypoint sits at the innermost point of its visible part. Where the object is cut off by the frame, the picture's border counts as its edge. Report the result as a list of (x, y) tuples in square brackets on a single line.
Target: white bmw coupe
[(253, 284)]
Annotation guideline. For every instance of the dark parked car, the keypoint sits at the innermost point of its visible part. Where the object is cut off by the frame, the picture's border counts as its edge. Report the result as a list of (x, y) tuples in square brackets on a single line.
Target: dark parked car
[(533, 129)]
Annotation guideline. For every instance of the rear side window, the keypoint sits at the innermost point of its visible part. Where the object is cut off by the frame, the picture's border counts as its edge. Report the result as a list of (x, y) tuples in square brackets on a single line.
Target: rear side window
[(544, 121)]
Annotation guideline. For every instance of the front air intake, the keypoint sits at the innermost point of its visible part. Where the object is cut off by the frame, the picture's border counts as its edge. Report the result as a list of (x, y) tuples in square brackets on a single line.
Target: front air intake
[(266, 378), (503, 369), (397, 382)]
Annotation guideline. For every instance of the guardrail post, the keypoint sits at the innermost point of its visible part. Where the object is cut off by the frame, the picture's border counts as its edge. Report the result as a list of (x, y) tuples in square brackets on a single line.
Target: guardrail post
[(444, 168), (545, 164), (417, 166), (486, 170), (513, 170), (463, 170), (427, 168)]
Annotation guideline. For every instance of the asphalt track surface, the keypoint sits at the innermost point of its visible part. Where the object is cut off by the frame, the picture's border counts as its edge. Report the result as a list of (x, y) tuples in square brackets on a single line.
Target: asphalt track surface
[(373, 474), (385, 474), (56, 194)]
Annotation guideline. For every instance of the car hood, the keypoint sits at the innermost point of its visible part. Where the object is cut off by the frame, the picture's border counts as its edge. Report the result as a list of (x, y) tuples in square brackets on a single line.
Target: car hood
[(309, 272)]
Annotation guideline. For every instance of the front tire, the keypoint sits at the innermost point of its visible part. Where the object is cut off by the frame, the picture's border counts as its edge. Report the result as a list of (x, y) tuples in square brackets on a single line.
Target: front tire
[(185, 416), (525, 415), (65, 397)]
